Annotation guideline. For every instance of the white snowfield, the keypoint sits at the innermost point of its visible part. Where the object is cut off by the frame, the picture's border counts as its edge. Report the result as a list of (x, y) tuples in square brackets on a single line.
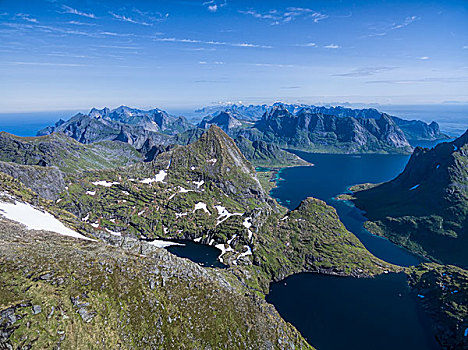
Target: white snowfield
[(158, 178), (247, 224), (224, 214), (224, 250), (104, 183), (164, 244), (198, 183), (201, 205), (35, 219)]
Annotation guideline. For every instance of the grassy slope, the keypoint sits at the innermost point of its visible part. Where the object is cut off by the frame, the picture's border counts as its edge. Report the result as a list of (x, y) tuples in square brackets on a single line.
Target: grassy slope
[(443, 292), (431, 219), (92, 295)]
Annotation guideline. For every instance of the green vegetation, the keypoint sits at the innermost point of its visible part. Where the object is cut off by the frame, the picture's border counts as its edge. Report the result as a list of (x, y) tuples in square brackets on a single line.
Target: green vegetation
[(443, 291), (424, 209), (67, 293)]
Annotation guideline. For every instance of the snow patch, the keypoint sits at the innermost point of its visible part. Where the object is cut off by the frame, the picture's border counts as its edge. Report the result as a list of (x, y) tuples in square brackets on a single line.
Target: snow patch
[(224, 214), (197, 239), (35, 219), (86, 218), (183, 190), (158, 178), (202, 206), (199, 183), (113, 233), (164, 244), (91, 193), (104, 183), (95, 225), (212, 161), (224, 250), (247, 224), (233, 238)]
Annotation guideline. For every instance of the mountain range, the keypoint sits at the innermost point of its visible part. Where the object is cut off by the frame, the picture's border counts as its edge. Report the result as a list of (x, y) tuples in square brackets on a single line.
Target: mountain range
[(415, 130), (310, 128)]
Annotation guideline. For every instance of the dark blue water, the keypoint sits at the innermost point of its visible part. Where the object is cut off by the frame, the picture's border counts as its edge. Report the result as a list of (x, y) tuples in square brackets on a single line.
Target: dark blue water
[(28, 124), (202, 254), (345, 312), (335, 313), (333, 174)]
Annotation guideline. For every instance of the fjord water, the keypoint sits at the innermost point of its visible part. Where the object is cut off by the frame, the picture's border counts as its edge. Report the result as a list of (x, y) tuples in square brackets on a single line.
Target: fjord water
[(345, 312), (335, 313), (333, 174)]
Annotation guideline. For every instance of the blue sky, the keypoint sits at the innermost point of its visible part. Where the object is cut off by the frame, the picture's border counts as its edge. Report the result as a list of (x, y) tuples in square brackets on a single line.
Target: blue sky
[(66, 54)]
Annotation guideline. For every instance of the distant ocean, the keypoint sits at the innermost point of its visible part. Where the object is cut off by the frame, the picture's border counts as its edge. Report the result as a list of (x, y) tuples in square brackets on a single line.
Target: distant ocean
[(28, 124), (452, 118)]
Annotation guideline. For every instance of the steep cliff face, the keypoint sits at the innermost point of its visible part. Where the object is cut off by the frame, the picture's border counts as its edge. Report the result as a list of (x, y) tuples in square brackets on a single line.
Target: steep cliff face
[(263, 154), (425, 208), (47, 182), (225, 120), (308, 130), (65, 153), (418, 130)]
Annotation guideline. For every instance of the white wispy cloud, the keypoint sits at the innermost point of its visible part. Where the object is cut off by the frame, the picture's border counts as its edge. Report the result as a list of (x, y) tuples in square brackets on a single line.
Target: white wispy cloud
[(26, 17), (424, 58), (274, 65), (307, 45), (124, 18), (276, 17), (332, 46), (422, 80), (53, 64), (364, 71), (78, 23), (210, 42), (68, 9), (213, 5), (406, 22), (387, 29), (151, 16)]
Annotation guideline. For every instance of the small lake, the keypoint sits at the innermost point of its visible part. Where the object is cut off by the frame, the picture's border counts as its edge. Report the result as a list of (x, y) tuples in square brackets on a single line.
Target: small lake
[(202, 254)]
